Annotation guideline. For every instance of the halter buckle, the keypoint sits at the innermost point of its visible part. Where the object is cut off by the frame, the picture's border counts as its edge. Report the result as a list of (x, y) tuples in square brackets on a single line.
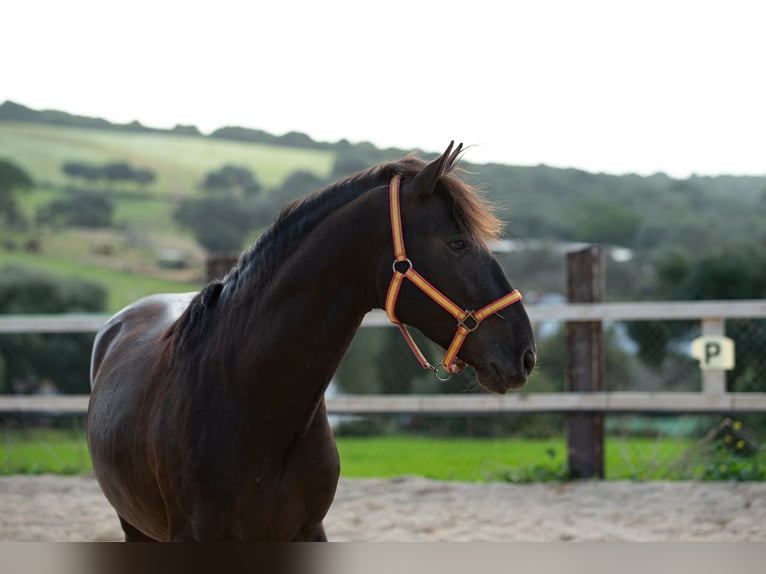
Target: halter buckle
[(469, 317)]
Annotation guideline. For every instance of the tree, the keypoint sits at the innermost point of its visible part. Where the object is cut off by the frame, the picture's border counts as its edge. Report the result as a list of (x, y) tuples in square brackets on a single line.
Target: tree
[(118, 171), (221, 220), (297, 184), (87, 172), (115, 171), (12, 179), (143, 177), (82, 208), (219, 224), (232, 180), (351, 161), (608, 223), (731, 273)]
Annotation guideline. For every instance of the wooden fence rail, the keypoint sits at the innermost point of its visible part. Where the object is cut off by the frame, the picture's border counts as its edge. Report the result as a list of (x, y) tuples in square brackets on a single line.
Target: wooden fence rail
[(622, 311), (611, 402), (712, 399)]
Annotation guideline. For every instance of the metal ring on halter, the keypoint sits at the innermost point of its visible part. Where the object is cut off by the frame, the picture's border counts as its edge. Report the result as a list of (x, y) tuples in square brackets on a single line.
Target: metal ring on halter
[(398, 261), (440, 368), (469, 315)]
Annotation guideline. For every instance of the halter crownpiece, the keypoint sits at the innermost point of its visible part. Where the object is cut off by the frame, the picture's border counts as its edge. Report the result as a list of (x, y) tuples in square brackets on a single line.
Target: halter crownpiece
[(467, 320)]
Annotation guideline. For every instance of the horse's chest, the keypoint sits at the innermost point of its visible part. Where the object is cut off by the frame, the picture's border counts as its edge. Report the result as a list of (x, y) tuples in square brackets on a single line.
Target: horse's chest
[(307, 486), (264, 497)]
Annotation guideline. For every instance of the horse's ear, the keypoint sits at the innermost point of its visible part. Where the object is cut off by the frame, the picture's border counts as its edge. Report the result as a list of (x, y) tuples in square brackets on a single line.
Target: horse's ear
[(425, 181)]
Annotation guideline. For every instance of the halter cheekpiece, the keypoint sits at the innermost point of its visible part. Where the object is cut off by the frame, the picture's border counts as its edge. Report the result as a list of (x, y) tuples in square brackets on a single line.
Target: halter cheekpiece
[(467, 320)]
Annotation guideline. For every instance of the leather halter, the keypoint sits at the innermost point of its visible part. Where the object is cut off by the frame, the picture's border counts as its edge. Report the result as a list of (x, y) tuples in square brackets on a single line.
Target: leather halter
[(467, 320)]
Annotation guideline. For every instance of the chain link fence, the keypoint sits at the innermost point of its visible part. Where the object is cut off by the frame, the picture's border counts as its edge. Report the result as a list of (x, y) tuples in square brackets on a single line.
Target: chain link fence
[(640, 356)]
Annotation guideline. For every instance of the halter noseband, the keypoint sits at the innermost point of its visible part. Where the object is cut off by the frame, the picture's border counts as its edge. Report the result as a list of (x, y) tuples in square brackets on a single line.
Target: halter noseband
[(467, 320)]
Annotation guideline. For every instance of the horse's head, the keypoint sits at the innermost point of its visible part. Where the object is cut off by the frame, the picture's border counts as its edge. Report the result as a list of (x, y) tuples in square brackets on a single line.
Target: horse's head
[(448, 269)]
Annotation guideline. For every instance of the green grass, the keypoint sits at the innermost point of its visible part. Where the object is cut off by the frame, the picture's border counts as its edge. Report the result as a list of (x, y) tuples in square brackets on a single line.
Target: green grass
[(147, 215), (645, 458), (38, 451), (35, 451), (445, 459), (64, 452)]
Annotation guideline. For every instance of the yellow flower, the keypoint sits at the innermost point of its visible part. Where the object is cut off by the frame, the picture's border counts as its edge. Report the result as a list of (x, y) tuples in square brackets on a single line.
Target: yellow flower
[(727, 439), (737, 425), (740, 444)]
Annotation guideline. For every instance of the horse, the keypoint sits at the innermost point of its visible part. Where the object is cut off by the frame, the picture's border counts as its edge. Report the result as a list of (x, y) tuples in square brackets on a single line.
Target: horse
[(207, 419)]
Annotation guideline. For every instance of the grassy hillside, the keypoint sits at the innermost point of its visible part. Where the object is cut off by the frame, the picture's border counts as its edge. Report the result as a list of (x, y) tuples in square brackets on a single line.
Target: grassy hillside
[(180, 161), (124, 258), (654, 216)]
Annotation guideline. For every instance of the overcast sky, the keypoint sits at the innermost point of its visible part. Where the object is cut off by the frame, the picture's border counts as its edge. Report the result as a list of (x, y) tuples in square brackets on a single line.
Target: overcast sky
[(614, 86)]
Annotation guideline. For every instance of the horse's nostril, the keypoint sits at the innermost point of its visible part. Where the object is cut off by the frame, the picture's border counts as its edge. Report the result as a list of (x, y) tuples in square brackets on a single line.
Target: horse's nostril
[(529, 362)]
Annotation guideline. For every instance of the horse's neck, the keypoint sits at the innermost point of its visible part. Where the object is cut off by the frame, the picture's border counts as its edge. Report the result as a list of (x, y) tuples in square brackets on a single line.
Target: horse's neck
[(296, 326)]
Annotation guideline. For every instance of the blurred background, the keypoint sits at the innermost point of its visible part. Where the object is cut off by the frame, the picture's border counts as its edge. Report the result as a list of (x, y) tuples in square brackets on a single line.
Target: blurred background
[(137, 148)]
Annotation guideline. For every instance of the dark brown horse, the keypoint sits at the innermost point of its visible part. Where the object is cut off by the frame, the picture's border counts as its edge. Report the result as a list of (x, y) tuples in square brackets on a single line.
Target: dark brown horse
[(207, 418)]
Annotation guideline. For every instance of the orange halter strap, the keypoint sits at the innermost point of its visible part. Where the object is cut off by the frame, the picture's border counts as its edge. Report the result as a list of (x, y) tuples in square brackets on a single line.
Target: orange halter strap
[(467, 320)]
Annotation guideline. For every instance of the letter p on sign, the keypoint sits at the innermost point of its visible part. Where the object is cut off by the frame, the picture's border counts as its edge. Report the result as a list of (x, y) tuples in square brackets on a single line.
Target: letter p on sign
[(714, 352)]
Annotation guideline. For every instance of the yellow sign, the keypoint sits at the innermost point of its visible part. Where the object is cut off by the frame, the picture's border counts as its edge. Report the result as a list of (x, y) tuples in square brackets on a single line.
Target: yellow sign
[(714, 352)]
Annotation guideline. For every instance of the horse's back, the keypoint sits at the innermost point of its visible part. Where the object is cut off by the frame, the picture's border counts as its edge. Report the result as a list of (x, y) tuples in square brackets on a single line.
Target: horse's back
[(137, 324)]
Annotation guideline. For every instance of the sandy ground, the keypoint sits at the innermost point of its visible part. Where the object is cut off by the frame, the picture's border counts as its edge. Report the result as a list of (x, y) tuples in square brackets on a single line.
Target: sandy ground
[(53, 508)]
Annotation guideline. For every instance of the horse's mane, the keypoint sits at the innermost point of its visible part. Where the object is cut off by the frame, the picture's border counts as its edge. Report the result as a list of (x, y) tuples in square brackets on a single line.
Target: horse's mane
[(471, 210)]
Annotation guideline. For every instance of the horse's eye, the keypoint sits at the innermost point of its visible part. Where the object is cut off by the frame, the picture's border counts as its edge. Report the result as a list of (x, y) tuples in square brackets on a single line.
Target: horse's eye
[(457, 244)]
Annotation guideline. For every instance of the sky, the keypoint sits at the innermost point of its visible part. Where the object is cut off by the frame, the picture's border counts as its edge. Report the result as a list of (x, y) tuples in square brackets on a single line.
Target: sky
[(641, 87)]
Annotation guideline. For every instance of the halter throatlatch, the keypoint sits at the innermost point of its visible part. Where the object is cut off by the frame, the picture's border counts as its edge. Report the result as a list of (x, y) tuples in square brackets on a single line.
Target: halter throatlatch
[(467, 320)]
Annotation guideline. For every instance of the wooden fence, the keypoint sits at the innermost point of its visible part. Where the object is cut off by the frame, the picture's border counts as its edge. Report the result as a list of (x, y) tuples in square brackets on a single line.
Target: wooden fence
[(712, 398), (585, 402)]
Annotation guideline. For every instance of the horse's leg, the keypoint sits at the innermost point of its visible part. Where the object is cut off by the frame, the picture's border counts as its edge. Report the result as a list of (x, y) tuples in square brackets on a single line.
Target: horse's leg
[(318, 535), (133, 534)]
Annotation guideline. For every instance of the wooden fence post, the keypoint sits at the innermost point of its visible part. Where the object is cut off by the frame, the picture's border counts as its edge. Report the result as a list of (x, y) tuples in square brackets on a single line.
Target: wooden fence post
[(585, 364), (217, 266)]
